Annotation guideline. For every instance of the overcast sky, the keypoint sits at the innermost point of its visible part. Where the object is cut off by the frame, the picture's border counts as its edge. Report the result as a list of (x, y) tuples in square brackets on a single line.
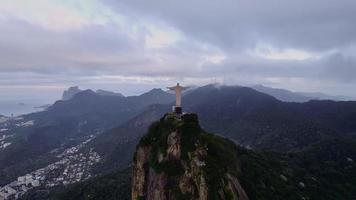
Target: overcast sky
[(130, 46)]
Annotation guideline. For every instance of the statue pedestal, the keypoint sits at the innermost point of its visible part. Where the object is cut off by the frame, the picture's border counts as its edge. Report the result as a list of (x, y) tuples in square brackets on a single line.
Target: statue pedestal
[(177, 110)]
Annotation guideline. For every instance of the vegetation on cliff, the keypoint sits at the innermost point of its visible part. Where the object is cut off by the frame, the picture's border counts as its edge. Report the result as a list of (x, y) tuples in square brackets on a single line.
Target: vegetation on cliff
[(190, 163), (323, 171)]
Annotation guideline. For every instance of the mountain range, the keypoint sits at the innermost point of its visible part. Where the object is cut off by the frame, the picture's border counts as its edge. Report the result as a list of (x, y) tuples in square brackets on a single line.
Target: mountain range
[(71, 91), (250, 118), (322, 171), (110, 126), (289, 96), (64, 124)]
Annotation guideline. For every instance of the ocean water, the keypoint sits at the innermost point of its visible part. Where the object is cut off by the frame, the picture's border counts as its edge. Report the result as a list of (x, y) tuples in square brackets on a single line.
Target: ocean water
[(20, 107)]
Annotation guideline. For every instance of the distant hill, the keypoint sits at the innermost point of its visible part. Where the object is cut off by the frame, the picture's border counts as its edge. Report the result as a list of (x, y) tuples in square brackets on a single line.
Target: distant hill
[(248, 117), (322, 96), (43, 107), (64, 124), (289, 96), (108, 93), (72, 91), (254, 119)]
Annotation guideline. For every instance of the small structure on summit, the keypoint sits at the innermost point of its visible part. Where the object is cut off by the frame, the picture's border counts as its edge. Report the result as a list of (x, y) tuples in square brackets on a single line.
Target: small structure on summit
[(178, 90)]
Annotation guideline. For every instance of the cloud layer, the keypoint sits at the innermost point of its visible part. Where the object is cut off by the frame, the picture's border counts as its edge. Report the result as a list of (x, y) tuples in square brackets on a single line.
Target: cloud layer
[(134, 44)]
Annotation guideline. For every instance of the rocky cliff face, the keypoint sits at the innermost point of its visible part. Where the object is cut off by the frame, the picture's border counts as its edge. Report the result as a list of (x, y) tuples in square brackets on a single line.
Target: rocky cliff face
[(68, 94), (177, 160)]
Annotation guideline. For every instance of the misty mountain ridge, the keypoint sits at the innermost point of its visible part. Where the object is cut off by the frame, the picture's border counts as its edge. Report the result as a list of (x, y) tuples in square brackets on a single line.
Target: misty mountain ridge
[(280, 94), (248, 117), (68, 94), (289, 96), (108, 93), (71, 91), (108, 128), (66, 123)]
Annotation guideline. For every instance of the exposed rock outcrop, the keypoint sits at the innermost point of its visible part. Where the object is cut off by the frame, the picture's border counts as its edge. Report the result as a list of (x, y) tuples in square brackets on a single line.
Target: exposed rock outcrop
[(71, 91), (68, 94), (177, 160)]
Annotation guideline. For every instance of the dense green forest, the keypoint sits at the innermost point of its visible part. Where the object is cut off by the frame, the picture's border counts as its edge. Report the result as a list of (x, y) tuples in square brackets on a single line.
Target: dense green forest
[(324, 171)]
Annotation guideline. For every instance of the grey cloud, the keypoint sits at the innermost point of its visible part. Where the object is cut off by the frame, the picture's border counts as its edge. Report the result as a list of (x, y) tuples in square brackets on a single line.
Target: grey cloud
[(340, 67), (334, 67), (320, 26), (30, 54), (26, 47), (92, 50), (315, 25)]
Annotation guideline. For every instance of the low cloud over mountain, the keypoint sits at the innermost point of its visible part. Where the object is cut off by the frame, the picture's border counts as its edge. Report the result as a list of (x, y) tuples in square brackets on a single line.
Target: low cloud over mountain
[(298, 45)]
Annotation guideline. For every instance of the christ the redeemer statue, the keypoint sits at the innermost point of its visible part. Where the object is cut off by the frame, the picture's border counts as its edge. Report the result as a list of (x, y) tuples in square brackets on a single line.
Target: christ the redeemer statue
[(178, 90)]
